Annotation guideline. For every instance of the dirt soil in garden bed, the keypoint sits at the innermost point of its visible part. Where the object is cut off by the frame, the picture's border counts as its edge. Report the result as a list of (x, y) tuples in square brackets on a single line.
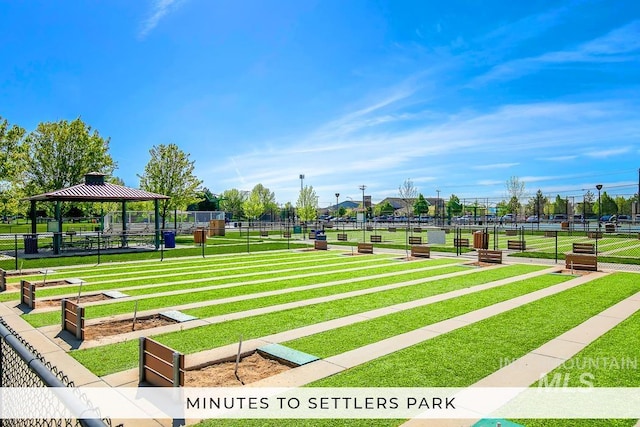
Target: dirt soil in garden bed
[(16, 286), (57, 302), (117, 327), (252, 368)]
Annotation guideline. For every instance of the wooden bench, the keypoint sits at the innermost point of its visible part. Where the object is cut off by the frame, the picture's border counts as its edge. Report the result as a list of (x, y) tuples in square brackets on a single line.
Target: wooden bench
[(286, 234), (581, 262), (584, 248), (421, 251), (320, 245), (486, 255), (365, 248), (392, 229), (518, 245), (342, 237), (328, 226), (417, 230), (415, 240), (376, 238), (594, 234), (264, 234), (610, 228), (550, 233), (369, 227), (511, 232), (312, 235), (460, 243)]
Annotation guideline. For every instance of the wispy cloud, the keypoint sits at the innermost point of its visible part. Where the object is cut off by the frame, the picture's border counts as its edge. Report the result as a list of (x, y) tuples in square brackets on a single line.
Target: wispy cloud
[(619, 45), (494, 166), (159, 9), (601, 154)]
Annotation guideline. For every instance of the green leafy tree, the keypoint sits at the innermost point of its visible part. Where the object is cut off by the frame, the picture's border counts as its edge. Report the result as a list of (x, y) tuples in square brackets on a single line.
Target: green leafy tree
[(609, 206), (62, 153), (384, 208), (307, 204), (342, 211), (170, 172), (267, 197), (233, 201), (421, 206), (513, 206), (560, 205), (13, 153), (453, 205), (537, 204), (254, 206)]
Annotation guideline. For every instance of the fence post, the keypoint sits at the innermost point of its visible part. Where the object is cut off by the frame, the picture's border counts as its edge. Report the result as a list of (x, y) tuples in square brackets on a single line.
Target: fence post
[(141, 360), (15, 249), (556, 246), (176, 369), (62, 315), (79, 322)]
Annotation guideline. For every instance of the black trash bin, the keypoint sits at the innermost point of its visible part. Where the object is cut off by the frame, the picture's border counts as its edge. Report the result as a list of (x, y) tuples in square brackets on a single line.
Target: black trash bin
[(169, 239), (320, 235), (30, 243)]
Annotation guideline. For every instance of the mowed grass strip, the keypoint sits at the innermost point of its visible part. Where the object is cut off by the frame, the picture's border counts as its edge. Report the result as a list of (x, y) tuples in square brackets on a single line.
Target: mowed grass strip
[(145, 268), (164, 282), (610, 361), (275, 282), (464, 356), (340, 340), (121, 356)]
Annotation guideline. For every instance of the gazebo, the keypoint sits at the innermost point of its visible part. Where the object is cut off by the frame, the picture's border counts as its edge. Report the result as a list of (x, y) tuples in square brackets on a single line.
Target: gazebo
[(95, 189)]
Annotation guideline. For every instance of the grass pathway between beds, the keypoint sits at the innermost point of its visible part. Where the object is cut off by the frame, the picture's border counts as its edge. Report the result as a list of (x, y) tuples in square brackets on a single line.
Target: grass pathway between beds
[(240, 288), (612, 360), (121, 356), (466, 355), (340, 340), (151, 266), (164, 283)]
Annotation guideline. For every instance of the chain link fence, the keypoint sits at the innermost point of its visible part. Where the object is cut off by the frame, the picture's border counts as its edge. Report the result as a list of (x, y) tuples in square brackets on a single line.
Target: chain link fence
[(23, 366)]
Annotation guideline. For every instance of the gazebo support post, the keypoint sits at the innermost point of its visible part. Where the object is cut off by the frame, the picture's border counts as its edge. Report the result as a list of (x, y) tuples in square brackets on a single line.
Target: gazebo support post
[(124, 224), (157, 221), (57, 237), (34, 229)]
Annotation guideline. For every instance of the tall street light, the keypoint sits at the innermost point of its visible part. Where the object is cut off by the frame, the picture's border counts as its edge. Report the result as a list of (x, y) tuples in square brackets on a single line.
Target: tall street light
[(337, 195), (599, 187), (301, 181), (364, 214)]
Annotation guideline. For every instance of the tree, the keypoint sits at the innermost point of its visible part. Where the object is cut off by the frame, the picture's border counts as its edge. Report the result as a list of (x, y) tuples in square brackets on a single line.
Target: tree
[(609, 206), (12, 151), (307, 204), (408, 193), (62, 153), (560, 205), (232, 201), (253, 207), (536, 204), (421, 206), (170, 172), (267, 197), (515, 192), (384, 208), (453, 205)]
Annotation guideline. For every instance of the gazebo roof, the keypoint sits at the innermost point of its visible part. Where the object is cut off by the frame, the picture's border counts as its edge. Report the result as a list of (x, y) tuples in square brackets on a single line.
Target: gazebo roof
[(95, 189)]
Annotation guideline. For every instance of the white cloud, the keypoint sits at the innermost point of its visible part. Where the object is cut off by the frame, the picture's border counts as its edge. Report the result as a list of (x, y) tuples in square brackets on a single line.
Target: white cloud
[(160, 8), (495, 166), (604, 153)]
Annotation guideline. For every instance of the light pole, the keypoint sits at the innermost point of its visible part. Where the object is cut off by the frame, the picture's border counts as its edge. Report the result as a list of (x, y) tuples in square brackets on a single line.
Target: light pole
[(337, 195), (599, 187), (364, 214), (301, 181), (437, 206)]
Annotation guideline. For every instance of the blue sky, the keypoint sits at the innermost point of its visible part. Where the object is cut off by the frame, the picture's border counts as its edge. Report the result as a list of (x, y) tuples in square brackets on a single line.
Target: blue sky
[(457, 96)]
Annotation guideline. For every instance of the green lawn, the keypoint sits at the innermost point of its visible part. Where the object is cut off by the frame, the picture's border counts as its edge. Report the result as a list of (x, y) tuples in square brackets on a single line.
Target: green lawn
[(121, 356)]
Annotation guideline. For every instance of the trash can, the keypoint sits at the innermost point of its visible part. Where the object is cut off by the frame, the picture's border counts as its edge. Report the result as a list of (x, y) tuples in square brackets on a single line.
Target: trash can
[(480, 240), (320, 235), (30, 243), (297, 229), (169, 239)]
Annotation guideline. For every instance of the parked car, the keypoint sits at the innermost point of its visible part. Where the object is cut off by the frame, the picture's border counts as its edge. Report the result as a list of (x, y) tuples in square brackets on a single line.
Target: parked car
[(578, 218), (560, 218), (533, 218), (620, 218), (605, 218), (508, 218)]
